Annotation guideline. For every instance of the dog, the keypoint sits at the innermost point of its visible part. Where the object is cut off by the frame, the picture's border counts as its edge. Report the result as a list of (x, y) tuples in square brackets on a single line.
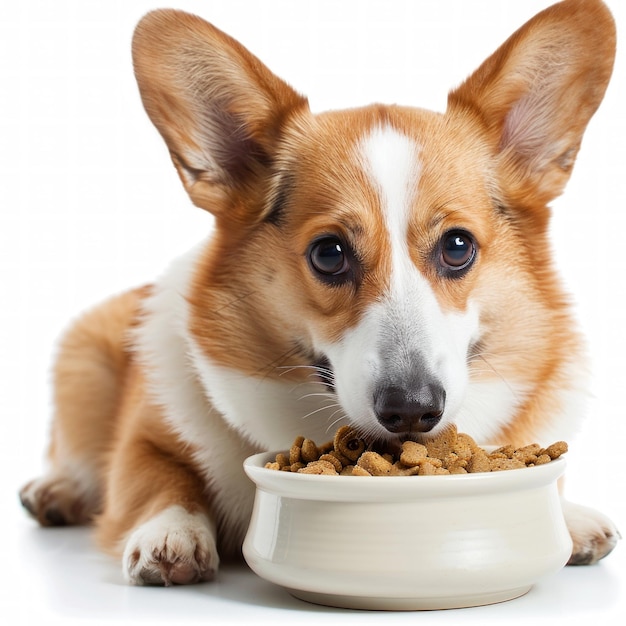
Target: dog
[(383, 267)]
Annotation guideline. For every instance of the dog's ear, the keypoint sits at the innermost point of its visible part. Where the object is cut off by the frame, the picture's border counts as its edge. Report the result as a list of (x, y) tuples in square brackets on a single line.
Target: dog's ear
[(219, 109), (536, 94)]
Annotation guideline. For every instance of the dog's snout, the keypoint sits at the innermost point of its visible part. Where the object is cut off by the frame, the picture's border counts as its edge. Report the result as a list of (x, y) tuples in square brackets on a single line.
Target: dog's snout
[(410, 411)]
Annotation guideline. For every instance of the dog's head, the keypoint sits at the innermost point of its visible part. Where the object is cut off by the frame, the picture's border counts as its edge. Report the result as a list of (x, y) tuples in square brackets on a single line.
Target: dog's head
[(403, 253)]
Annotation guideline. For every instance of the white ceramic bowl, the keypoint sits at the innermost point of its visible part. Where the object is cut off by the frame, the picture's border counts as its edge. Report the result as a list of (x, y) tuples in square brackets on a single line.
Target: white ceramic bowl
[(406, 542)]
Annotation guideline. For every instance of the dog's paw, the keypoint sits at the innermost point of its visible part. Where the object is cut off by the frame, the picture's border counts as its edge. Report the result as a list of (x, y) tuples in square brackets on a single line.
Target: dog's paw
[(593, 534), (58, 500), (174, 547)]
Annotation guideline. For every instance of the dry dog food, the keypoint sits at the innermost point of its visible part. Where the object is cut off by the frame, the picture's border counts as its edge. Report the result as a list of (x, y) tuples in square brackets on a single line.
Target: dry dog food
[(449, 453)]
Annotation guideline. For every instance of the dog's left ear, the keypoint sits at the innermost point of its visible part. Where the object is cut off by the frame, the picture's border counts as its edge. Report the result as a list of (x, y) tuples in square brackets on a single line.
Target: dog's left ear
[(536, 94), (218, 108)]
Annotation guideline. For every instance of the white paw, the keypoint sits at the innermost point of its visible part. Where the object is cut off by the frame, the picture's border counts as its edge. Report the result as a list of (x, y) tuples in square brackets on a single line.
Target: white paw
[(173, 547), (593, 534)]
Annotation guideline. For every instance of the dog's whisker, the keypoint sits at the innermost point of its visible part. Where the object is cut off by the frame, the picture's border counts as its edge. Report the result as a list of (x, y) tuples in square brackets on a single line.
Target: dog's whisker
[(334, 423), (339, 410), (291, 368), (327, 395), (271, 367), (310, 383), (327, 376), (322, 408), (325, 379), (317, 368), (484, 370), (500, 376)]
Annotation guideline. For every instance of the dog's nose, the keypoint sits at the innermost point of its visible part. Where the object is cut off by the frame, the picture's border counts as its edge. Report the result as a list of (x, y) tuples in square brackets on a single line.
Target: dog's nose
[(410, 411)]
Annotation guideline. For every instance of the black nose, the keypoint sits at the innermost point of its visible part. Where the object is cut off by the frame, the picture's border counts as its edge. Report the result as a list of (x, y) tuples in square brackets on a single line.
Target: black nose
[(410, 411)]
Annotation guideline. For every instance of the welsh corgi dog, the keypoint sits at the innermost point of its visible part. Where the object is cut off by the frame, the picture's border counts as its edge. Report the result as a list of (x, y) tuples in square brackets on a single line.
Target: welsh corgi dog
[(384, 267)]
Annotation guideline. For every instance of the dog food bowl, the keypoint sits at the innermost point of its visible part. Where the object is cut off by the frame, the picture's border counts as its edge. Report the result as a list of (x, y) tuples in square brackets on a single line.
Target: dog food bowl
[(406, 542)]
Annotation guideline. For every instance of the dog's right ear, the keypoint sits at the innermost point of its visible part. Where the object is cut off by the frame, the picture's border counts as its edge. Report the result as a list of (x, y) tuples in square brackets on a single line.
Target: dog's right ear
[(218, 108)]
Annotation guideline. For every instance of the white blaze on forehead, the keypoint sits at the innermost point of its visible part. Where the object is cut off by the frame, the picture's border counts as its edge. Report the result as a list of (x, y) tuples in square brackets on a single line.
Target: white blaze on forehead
[(391, 159), (410, 308)]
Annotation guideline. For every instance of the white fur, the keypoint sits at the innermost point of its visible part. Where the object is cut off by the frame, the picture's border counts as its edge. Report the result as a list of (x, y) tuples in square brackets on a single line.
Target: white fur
[(391, 161), (173, 536), (488, 407), (269, 413)]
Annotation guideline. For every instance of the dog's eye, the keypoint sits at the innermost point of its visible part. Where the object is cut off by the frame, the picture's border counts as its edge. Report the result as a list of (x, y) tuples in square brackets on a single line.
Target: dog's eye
[(328, 258), (458, 251)]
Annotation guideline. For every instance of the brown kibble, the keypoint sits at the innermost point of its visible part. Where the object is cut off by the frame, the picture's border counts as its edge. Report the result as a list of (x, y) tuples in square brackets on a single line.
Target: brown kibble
[(282, 460), (375, 464), (430, 469), (295, 453), (340, 457), (504, 452), (347, 443), (479, 462), (319, 467), (499, 464), (333, 460), (426, 469), (498, 455), (463, 440), (412, 453), (441, 445), (526, 460), (309, 451), (556, 450), (357, 470), (534, 449), (454, 461), (527, 454), (432, 460), (463, 451), (542, 459), (448, 453), (399, 469)]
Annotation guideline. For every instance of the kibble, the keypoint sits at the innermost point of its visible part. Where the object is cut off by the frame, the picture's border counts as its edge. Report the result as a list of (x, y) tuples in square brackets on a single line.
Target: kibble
[(450, 452)]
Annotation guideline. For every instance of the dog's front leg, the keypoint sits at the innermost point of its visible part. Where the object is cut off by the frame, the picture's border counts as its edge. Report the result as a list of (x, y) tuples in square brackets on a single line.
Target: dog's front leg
[(157, 512), (593, 534)]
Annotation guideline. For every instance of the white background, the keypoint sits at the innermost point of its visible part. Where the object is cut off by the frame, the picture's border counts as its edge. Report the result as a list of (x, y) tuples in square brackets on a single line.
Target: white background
[(90, 205)]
